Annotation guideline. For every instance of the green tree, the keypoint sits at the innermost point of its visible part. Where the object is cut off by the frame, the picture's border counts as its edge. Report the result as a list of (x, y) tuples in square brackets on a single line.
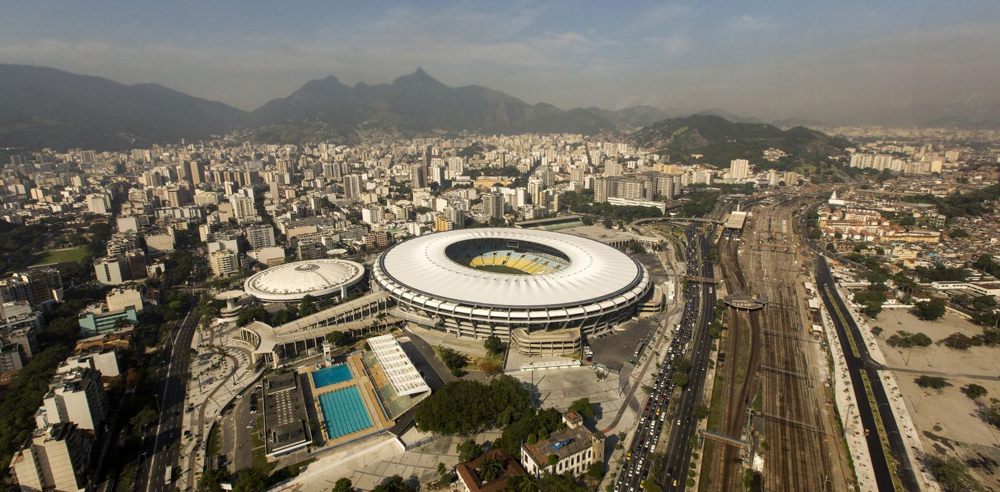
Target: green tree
[(493, 345), (469, 450), (929, 310), (394, 483), (952, 474), (339, 338), (343, 485), (211, 480), (958, 341), (933, 382), (492, 468), (250, 480), (584, 408), (974, 391)]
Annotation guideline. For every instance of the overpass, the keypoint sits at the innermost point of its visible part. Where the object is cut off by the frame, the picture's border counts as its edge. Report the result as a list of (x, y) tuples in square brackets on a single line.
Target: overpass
[(366, 314)]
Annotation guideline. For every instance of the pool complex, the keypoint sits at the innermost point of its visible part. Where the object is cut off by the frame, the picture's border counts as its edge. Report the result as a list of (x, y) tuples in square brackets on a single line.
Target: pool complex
[(331, 375), (344, 412)]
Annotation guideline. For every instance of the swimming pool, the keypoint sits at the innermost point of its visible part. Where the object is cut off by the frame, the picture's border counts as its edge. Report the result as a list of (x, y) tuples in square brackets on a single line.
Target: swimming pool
[(331, 375), (344, 412)]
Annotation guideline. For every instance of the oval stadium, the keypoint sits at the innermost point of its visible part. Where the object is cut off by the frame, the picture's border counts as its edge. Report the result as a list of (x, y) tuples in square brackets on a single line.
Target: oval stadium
[(535, 287), (291, 282)]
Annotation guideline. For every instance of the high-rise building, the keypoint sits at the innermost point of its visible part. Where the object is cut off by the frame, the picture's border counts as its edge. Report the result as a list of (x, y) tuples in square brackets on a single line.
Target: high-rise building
[(600, 190), (418, 176), (224, 262), (37, 286), (739, 169), (76, 396), (196, 172), (56, 458), (493, 205), (260, 236), (352, 186)]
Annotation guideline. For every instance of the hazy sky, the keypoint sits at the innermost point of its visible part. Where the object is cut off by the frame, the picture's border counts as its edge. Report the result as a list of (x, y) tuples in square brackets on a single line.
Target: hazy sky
[(830, 60)]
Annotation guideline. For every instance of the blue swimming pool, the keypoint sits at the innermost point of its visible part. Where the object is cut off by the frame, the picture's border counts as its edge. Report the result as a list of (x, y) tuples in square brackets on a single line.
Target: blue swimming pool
[(331, 375), (344, 412)]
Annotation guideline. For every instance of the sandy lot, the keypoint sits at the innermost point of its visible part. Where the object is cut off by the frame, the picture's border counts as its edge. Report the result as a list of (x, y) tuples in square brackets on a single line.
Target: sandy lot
[(980, 361), (947, 420)]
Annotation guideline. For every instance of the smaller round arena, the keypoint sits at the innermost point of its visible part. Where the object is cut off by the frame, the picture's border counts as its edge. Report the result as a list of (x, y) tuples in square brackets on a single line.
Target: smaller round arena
[(292, 282)]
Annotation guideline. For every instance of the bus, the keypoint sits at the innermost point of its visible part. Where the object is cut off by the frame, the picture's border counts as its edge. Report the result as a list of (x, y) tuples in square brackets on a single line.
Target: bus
[(168, 476)]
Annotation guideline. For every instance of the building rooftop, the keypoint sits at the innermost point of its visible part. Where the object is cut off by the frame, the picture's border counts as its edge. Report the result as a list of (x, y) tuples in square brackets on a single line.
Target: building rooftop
[(293, 281), (562, 443)]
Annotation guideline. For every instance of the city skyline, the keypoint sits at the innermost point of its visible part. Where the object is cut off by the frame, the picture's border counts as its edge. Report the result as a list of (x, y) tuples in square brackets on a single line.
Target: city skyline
[(817, 62)]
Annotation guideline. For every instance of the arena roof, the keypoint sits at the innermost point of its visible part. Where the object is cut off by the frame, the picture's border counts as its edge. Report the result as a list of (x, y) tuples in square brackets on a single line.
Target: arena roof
[(594, 270), (403, 376), (293, 281)]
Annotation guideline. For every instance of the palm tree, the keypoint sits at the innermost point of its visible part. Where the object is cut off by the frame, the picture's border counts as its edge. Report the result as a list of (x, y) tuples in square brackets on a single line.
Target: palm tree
[(492, 468)]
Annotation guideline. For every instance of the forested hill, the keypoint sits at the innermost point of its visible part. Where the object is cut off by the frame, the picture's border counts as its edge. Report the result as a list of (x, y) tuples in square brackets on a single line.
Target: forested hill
[(719, 140)]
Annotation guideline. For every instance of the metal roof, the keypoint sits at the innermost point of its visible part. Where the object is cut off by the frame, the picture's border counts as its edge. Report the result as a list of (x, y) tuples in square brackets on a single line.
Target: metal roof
[(595, 271), (293, 281)]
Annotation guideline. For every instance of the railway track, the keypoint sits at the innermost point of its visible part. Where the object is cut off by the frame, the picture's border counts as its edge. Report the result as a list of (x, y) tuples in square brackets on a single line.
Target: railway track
[(740, 371), (795, 456)]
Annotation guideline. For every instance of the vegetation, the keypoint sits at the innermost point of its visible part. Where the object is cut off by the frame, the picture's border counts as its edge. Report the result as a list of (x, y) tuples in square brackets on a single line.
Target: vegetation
[(584, 408), (531, 427), (546, 483), (959, 341), (905, 339), (971, 204), (952, 474), (453, 360), (941, 273), (932, 382), (699, 203), (469, 450), (493, 345), (982, 309), (929, 310), (871, 300), (986, 264), (396, 483), (466, 407), (974, 391), (582, 203)]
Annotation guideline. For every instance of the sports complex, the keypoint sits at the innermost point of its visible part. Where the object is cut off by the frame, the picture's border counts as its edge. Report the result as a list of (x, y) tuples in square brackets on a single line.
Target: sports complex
[(294, 281), (526, 285)]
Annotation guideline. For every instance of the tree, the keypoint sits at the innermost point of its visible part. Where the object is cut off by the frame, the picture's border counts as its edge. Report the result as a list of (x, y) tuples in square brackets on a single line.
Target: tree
[(933, 382), (974, 391), (929, 310), (553, 459), (877, 330), (394, 483), (596, 471), (492, 468), (584, 408), (453, 360), (343, 485), (212, 480), (701, 412), (493, 345), (250, 480), (469, 450), (339, 338), (952, 474), (958, 341), (608, 223)]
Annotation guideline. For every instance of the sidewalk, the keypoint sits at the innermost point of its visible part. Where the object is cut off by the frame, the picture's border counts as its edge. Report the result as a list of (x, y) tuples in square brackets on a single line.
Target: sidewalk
[(899, 409)]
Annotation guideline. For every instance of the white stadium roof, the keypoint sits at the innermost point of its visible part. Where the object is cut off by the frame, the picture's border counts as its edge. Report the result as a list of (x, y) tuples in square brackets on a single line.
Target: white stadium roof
[(293, 281), (595, 270), (403, 376)]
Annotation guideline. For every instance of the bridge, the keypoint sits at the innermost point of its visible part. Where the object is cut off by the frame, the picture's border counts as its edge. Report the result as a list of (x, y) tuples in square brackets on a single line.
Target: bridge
[(365, 314), (745, 302), (725, 439)]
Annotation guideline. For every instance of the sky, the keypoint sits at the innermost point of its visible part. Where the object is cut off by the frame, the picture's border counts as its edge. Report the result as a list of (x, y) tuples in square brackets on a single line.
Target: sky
[(838, 61)]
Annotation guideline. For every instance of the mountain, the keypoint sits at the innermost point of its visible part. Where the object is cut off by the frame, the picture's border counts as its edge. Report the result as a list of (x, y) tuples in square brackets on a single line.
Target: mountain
[(727, 116), (419, 103), (719, 140), (45, 107)]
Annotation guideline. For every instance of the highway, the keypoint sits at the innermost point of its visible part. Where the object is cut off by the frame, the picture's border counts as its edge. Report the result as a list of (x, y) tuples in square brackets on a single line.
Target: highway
[(653, 420), (680, 442), (164, 448), (892, 470)]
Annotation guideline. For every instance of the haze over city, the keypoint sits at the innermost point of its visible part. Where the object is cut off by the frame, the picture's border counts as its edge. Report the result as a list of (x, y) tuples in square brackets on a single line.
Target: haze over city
[(499, 247), (818, 61)]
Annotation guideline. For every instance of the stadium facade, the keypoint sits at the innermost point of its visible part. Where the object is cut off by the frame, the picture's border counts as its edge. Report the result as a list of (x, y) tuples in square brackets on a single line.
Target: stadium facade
[(514, 283)]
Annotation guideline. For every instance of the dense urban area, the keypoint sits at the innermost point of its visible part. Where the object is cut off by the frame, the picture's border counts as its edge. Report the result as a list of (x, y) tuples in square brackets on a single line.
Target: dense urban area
[(550, 312)]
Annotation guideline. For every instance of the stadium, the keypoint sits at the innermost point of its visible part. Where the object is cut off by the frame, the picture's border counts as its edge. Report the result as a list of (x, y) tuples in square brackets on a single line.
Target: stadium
[(294, 281), (526, 285)]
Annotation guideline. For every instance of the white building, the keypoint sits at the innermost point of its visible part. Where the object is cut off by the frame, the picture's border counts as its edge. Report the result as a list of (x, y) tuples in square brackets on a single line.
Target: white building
[(739, 169), (75, 396), (224, 262), (56, 458)]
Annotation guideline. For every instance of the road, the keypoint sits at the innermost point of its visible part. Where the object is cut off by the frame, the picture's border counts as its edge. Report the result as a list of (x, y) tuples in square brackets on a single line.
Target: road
[(164, 450), (674, 474), (862, 371), (640, 455)]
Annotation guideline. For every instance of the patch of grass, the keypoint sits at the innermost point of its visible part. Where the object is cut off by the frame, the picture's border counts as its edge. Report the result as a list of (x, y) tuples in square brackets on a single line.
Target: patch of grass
[(64, 255)]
